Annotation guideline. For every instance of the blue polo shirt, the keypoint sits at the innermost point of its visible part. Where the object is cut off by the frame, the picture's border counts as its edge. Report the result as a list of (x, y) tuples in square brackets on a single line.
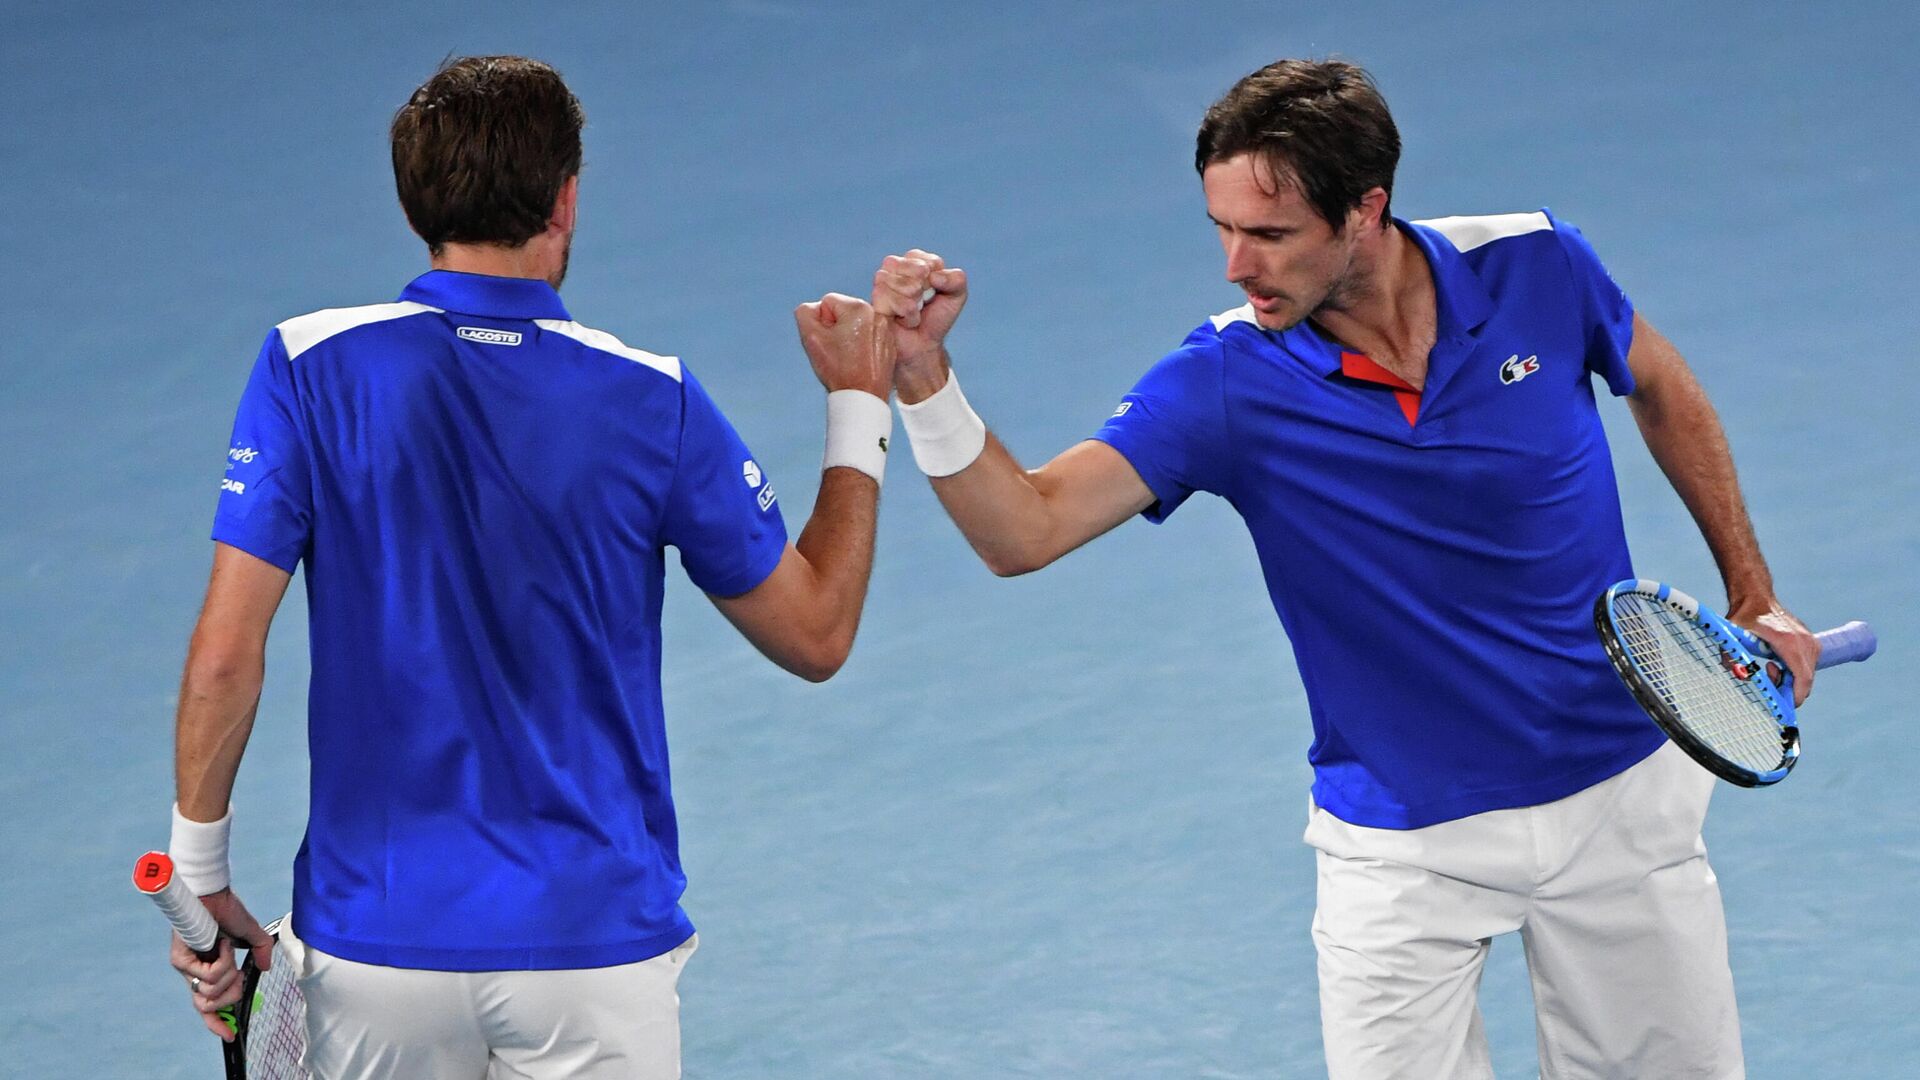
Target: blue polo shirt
[(483, 491), (1433, 555)]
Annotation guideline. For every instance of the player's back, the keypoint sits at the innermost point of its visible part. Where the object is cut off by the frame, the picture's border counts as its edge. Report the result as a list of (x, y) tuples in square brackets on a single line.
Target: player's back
[(487, 488), (489, 492)]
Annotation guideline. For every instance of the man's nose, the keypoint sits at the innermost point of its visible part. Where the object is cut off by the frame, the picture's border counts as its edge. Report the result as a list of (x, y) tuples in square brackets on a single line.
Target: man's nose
[(1240, 265)]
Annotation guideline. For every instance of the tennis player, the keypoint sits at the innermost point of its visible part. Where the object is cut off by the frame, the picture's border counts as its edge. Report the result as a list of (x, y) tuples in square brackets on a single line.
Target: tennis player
[(1404, 415), (482, 491)]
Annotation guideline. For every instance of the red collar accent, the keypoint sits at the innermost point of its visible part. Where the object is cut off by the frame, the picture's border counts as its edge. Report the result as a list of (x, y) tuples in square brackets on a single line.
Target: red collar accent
[(1357, 366)]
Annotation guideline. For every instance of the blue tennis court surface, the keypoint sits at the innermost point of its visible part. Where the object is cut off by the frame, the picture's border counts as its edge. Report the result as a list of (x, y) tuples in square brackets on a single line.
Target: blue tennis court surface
[(1046, 827)]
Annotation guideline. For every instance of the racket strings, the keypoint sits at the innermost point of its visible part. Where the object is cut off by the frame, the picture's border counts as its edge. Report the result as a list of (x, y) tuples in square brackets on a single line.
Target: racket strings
[(1681, 661), (277, 1027)]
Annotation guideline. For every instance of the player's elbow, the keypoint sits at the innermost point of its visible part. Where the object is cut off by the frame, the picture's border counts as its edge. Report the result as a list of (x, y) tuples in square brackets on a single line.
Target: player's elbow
[(1034, 543), (1013, 561), (1004, 566), (818, 669), (220, 660), (816, 673), (823, 657)]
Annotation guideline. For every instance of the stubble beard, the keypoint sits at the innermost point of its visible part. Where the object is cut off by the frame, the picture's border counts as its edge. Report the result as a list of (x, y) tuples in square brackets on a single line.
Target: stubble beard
[(566, 256), (1346, 290), (1341, 292)]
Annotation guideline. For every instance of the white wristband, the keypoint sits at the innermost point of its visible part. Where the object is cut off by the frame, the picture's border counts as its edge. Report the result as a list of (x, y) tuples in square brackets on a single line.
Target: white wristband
[(199, 852), (858, 425), (946, 434)]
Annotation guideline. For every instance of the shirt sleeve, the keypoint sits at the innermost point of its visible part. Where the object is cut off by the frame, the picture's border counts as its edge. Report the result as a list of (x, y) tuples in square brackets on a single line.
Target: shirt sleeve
[(1172, 426), (266, 497), (1604, 307), (721, 512)]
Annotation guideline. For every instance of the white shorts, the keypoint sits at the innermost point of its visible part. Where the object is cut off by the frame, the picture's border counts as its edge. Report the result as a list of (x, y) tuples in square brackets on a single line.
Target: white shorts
[(1610, 890), (367, 1022)]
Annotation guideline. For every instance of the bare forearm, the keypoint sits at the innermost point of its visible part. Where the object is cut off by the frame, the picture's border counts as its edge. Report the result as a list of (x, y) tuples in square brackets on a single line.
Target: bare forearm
[(1000, 510), (218, 698), (221, 687), (994, 502), (1017, 520), (804, 614), (837, 543), (1686, 439)]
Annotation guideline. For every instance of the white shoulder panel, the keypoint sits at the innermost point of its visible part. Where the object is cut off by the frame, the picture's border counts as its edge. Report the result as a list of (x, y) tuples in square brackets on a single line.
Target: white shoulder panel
[(607, 343), (303, 332), (1468, 233), (1243, 313)]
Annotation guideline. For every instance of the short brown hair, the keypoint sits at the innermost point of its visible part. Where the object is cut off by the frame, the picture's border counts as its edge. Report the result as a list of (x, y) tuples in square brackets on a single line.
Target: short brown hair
[(1318, 124), (481, 150)]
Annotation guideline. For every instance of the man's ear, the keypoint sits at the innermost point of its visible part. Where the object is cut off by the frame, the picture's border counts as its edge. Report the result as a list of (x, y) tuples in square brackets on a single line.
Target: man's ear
[(565, 206), (1371, 213)]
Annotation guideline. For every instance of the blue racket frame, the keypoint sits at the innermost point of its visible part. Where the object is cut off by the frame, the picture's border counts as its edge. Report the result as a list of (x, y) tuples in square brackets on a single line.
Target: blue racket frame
[(1741, 650)]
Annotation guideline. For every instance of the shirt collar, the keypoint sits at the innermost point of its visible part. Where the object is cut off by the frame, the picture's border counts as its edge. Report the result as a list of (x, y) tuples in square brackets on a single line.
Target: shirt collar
[(1460, 298), (1461, 302), (486, 295)]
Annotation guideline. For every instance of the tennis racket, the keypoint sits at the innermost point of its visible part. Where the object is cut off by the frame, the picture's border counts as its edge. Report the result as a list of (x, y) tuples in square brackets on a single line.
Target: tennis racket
[(1714, 688), (269, 1022)]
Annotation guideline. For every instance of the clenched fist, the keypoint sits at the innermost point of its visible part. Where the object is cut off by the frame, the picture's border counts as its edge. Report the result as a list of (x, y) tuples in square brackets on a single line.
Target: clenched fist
[(851, 347), (923, 296)]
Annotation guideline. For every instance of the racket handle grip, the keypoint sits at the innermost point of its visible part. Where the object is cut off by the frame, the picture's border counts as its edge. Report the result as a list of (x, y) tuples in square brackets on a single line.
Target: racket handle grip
[(153, 875), (190, 918), (1846, 644)]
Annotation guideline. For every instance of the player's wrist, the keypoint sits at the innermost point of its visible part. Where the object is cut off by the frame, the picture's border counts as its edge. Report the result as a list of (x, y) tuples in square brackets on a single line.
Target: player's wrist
[(920, 376), (945, 432), (199, 852), (859, 427), (1751, 601), (879, 390)]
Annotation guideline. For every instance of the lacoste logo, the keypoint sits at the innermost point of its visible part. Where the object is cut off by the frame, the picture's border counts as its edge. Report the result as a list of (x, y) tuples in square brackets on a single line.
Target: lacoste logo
[(750, 473), (1516, 369), (883, 444), (489, 337)]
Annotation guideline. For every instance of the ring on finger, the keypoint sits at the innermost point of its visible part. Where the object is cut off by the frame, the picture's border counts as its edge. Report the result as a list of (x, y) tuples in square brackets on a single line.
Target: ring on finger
[(193, 983)]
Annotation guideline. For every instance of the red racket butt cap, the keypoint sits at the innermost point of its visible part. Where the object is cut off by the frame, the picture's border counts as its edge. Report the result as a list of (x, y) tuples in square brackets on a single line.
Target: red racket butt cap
[(152, 872)]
